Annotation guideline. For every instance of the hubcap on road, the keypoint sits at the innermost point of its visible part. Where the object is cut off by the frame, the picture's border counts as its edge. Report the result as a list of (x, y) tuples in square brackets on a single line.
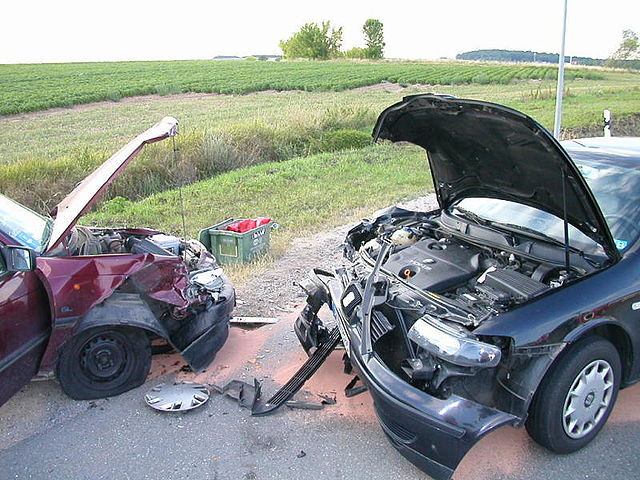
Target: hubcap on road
[(588, 399)]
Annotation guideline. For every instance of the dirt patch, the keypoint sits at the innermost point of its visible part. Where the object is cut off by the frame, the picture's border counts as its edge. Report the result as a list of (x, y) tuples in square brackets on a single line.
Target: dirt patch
[(274, 292), (384, 86)]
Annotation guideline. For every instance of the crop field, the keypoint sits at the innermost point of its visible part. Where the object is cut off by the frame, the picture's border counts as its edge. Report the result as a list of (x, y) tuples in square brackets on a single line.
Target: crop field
[(45, 154), (31, 87), (263, 153)]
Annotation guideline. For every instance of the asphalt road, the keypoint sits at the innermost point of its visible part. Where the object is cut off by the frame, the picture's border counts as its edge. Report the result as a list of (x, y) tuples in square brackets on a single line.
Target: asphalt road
[(45, 435)]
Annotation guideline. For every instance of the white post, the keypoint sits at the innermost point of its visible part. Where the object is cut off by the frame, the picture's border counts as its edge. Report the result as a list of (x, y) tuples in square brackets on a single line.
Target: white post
[(560, 87), (607, 123)]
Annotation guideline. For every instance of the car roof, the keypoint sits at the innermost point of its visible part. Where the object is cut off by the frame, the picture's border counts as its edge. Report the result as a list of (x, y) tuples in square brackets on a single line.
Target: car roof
[(620, 151)]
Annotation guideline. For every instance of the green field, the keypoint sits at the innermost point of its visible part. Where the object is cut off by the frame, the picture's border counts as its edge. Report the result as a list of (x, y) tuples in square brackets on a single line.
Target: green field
[(45, 154), (32, 87), (302, 156)]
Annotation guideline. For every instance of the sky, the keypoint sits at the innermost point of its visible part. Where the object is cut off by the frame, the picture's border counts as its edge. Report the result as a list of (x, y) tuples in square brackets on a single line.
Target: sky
[(36, 31)]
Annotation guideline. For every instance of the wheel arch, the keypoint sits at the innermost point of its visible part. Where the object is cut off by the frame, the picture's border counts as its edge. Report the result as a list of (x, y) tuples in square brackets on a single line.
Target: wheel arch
[(122, 310), (614, 333)]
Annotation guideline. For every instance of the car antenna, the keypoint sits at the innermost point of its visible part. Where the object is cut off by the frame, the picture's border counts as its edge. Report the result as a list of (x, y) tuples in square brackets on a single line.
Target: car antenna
[(565, 221), (175, 159)]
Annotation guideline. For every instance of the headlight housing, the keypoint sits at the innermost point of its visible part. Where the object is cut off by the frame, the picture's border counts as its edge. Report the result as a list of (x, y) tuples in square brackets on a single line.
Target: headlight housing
[(452, 345)]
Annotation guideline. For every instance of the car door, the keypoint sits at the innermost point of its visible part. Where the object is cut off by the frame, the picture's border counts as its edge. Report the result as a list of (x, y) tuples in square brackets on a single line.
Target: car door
[(24, 328)]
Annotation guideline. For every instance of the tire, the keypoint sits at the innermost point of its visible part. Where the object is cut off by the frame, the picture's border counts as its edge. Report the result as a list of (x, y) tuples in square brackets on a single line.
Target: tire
[(591, 370), (104, 361)]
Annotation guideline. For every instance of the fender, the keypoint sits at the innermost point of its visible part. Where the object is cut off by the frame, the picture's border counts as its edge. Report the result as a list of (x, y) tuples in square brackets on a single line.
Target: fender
[(580, 331), (77, 285), (119, 310), (122, 310)]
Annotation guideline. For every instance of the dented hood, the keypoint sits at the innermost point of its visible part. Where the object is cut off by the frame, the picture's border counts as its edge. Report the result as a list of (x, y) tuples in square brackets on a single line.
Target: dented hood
[(481, 149), (78, 202)]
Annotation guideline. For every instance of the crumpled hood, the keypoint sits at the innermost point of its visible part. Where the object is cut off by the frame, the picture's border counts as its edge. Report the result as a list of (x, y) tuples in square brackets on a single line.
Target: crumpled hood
[(481, 149), (78, 202)]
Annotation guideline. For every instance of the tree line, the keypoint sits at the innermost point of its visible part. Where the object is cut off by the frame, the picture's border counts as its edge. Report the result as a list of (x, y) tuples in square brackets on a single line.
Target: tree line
[(324, 42), (627, 55)]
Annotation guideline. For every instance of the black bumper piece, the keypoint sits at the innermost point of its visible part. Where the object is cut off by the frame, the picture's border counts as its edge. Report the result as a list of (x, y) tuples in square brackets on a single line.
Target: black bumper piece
[(303, 374), (434, 434), (201, 337)]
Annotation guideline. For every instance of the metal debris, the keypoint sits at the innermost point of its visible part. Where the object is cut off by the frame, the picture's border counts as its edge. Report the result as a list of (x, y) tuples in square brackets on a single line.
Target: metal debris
[(304, 405), (295, 383), (328, 400), (177, 397), (253, 320)]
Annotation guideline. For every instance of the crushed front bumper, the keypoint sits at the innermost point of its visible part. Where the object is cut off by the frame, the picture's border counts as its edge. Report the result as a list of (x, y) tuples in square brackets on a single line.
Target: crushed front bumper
[(202, 336), (432, 433)]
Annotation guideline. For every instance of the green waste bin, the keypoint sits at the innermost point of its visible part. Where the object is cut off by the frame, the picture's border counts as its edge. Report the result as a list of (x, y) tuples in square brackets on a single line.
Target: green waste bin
[(233, 247)]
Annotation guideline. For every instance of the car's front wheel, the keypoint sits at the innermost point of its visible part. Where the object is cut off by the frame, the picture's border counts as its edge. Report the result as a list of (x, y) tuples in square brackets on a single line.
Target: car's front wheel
[(104, 361), (575, 399)]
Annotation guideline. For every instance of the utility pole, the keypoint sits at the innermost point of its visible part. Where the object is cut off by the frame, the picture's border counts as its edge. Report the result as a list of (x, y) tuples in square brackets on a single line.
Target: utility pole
[(560, 87)]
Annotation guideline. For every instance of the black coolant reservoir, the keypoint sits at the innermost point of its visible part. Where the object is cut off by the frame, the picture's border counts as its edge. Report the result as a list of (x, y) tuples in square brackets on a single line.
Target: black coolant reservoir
[(433, 265)]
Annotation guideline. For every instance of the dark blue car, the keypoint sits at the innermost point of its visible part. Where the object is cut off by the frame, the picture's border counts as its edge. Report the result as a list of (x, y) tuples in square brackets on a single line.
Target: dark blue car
[(516, 302)]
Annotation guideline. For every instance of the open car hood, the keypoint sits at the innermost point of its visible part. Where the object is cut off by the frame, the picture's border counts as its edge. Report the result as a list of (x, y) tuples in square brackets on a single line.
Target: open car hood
[(481, 149), (74, 205)]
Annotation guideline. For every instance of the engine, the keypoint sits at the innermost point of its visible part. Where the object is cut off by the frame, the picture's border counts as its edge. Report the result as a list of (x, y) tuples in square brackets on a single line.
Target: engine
[(87, 241), (479, 279)]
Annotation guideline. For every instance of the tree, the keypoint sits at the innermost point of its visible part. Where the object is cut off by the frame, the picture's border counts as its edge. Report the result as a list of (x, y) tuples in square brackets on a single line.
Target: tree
[(313, 41), (628, 49), (374, 38)]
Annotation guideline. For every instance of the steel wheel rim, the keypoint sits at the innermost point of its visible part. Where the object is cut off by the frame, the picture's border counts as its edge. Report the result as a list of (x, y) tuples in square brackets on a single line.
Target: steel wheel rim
[(103, 357), (588, 399)]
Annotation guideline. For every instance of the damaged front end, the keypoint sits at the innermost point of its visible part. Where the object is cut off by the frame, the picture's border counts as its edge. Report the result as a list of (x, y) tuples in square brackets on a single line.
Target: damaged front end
[(170, 287), (453, 317), (409, 308)]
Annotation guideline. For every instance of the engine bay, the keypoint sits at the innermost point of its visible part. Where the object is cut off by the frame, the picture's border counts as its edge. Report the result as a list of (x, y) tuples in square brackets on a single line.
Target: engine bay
[(84, 241), (480, 279), (439, 279)]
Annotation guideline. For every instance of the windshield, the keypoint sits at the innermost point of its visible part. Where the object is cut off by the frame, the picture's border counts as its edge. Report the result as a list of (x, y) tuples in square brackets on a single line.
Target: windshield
[(615, 188), (516, 214), (24, 225)]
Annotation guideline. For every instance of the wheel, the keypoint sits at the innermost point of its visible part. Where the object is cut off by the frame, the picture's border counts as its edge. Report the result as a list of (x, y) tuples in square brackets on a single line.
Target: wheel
[(575, 399), (104, 361)]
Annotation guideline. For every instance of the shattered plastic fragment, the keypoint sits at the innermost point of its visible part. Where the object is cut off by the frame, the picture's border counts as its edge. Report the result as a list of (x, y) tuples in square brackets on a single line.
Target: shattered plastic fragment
[(243, 392)]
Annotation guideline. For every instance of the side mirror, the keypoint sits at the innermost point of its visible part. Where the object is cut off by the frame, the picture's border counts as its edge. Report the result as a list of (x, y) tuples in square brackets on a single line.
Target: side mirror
[(18, 259)]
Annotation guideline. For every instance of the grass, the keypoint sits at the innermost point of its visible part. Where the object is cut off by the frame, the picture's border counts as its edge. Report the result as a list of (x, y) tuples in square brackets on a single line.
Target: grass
[(31, 87), (302, 195), (45, 154), (299, 194)]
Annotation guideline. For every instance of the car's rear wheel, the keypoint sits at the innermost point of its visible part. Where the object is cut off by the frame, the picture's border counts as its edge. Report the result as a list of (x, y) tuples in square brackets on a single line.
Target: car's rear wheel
[(575, 399), (104, 361)]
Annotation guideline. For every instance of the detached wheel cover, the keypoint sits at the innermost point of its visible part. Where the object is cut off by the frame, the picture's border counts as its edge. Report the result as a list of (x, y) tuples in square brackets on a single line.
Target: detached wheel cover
[(588, 399)]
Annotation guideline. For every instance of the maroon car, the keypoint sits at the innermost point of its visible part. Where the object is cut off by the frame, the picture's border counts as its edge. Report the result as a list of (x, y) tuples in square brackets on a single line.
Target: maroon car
[(86, 303)]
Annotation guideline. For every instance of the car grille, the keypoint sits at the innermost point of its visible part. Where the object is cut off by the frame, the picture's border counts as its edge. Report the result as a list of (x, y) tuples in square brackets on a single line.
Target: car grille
[(401, 433)]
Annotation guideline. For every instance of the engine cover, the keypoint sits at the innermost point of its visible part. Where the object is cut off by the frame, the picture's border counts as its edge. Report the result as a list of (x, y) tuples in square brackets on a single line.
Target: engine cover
[(435, 266)]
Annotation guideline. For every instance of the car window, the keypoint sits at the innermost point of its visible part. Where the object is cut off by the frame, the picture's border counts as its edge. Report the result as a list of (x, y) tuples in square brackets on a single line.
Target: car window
[(616, 189), (504, 211), (24, 225)]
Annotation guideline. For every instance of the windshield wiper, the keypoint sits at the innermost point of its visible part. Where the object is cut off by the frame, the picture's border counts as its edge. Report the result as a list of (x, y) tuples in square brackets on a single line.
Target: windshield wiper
[(512, 227), (469, 215)]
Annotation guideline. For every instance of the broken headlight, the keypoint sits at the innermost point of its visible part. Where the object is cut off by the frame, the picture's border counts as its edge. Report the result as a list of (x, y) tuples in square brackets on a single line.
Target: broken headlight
[(452, 345)]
